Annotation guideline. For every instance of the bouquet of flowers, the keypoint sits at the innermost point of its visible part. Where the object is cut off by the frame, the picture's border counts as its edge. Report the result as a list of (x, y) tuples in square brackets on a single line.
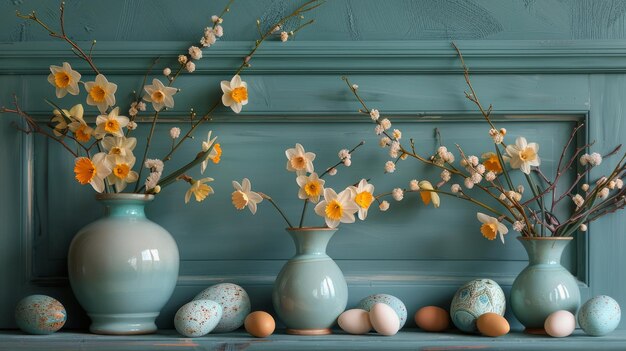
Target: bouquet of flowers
[(533, 215)]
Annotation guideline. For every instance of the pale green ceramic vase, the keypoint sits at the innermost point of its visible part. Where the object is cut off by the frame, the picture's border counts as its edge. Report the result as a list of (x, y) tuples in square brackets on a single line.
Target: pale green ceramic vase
[(544, 286), (310, 291), (123, 267)]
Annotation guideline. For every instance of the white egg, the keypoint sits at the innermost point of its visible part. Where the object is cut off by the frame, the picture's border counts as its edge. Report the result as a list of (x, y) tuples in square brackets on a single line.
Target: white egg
[(198, 318), (384, 319), (560, 324), (355, 321)]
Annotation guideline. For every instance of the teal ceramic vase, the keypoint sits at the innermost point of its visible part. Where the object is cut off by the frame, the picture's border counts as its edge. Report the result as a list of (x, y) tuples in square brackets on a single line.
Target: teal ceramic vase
[(310, 291), (123, 267), (544, 286)]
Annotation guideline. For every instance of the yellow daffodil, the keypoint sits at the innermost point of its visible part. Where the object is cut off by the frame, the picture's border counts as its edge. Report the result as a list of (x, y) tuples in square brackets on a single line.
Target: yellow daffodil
[(523, 155), (299, 161), (491, 162), (64, 79), (244, 196), (235, 93), (311, 187), (428, 196), (491, 227), (101, 93), (363, 195), (120, 149), (199, 189), (111, 124), (78, 126), (160, 95), (214, 155), (92, 171), (337, 208), (122, 172)]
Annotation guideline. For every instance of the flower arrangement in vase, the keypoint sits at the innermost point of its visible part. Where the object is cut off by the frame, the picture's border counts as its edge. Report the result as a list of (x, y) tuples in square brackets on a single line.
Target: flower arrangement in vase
[(123, 268), (544, 286)]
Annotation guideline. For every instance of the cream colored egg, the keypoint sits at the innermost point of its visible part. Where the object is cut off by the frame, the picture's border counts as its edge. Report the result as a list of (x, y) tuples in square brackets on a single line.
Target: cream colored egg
[(355, 321), (384, 319), (560, 324)]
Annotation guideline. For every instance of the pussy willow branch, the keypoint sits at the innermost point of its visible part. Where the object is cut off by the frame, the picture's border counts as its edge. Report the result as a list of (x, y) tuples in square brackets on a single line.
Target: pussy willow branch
[(307, 6)]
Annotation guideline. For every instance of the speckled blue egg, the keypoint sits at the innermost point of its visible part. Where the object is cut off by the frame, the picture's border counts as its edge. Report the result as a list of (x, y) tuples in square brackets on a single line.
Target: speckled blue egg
[(395, 303), (474, 299), (234, 301), (599, 316), (40, 314), (197, 318)]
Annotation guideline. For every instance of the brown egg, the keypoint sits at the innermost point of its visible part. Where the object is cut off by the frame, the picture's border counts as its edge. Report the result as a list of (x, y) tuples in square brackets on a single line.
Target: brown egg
[(259, 324), (432, 319), (492, 324)]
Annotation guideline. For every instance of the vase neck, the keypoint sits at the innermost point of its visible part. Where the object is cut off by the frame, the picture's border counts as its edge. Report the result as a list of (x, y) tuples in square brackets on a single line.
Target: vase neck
[(311, 241), (545, 251), (124, 205)]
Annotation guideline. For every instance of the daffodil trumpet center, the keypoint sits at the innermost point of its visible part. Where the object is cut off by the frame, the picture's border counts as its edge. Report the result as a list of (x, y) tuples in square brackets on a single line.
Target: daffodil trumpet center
[(528, 154), (81, 134), (111, 125), (97, 93), (493, 164), (334, 210), (489, 230), (313, 188), (298, 162), (240, 199), (121, 170), (158, 96), (62, 79), (239, 94), (85, 170), (364, 199), (425, 194)]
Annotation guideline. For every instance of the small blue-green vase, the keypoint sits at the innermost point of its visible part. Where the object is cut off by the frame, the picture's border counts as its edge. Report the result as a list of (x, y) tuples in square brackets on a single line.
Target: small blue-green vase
[(123, 267), (310, 291), (544, 286)]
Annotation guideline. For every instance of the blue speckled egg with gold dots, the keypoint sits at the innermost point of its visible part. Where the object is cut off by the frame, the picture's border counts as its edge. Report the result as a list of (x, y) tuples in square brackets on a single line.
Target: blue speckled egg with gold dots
[(234, 301), (197, 318), (599, 316), (395, 303), (40, 314), (474, 299)]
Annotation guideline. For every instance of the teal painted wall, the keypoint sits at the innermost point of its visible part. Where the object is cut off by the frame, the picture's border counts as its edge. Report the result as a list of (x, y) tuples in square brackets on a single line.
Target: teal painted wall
[(533, 60)]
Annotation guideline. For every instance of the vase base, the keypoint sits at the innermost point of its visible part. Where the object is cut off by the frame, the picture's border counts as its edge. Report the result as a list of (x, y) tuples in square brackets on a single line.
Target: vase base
[(535, 331), (123, 324), (324, 331)]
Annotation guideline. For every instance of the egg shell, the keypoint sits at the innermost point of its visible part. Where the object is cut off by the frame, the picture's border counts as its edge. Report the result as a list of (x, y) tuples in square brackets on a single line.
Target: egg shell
[(260, 324), (384, 319), (432, 319), (474, 299), (355, 321), (492, 324), (40, 314), (197, 318), (560, 324), (599, 316), (234, 301), (390, 300)]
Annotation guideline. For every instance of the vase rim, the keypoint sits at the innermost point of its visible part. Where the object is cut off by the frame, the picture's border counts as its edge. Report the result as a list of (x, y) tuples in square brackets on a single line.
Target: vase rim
[(124, 196), (529, 238), (305, 229)]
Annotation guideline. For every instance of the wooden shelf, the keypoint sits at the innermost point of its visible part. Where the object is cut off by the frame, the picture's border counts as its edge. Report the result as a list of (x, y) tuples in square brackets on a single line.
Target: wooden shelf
[(405, 340)]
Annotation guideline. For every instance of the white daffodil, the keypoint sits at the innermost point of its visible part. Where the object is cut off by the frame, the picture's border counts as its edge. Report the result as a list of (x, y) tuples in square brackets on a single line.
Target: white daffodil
[(491, 227), (337, 208), (120, 148), (101, 93), (299, 161), (363, 195), (215, 154), (160, 95), (244, 196), (428, 196), (523, 155), (110, 124), (311, 187), (199, 189), (235, 93), (92, 171), (61, 126), (64, 79), (82, 131), (122, 172)]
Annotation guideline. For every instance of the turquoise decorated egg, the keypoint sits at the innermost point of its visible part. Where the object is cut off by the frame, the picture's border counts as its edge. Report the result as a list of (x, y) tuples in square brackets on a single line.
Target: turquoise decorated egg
[(234, 301), (40, 314), (474, 299), (197, 318), (395, 303), (599, 316)]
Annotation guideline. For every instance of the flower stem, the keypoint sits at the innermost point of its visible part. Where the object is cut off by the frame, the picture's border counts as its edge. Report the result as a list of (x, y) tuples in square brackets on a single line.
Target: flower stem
[(277, 208)]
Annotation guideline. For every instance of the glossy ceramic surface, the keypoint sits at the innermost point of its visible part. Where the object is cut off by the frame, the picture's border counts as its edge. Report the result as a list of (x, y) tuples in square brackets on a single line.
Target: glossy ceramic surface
[(310, 291), (544, 286), (123, 267)]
